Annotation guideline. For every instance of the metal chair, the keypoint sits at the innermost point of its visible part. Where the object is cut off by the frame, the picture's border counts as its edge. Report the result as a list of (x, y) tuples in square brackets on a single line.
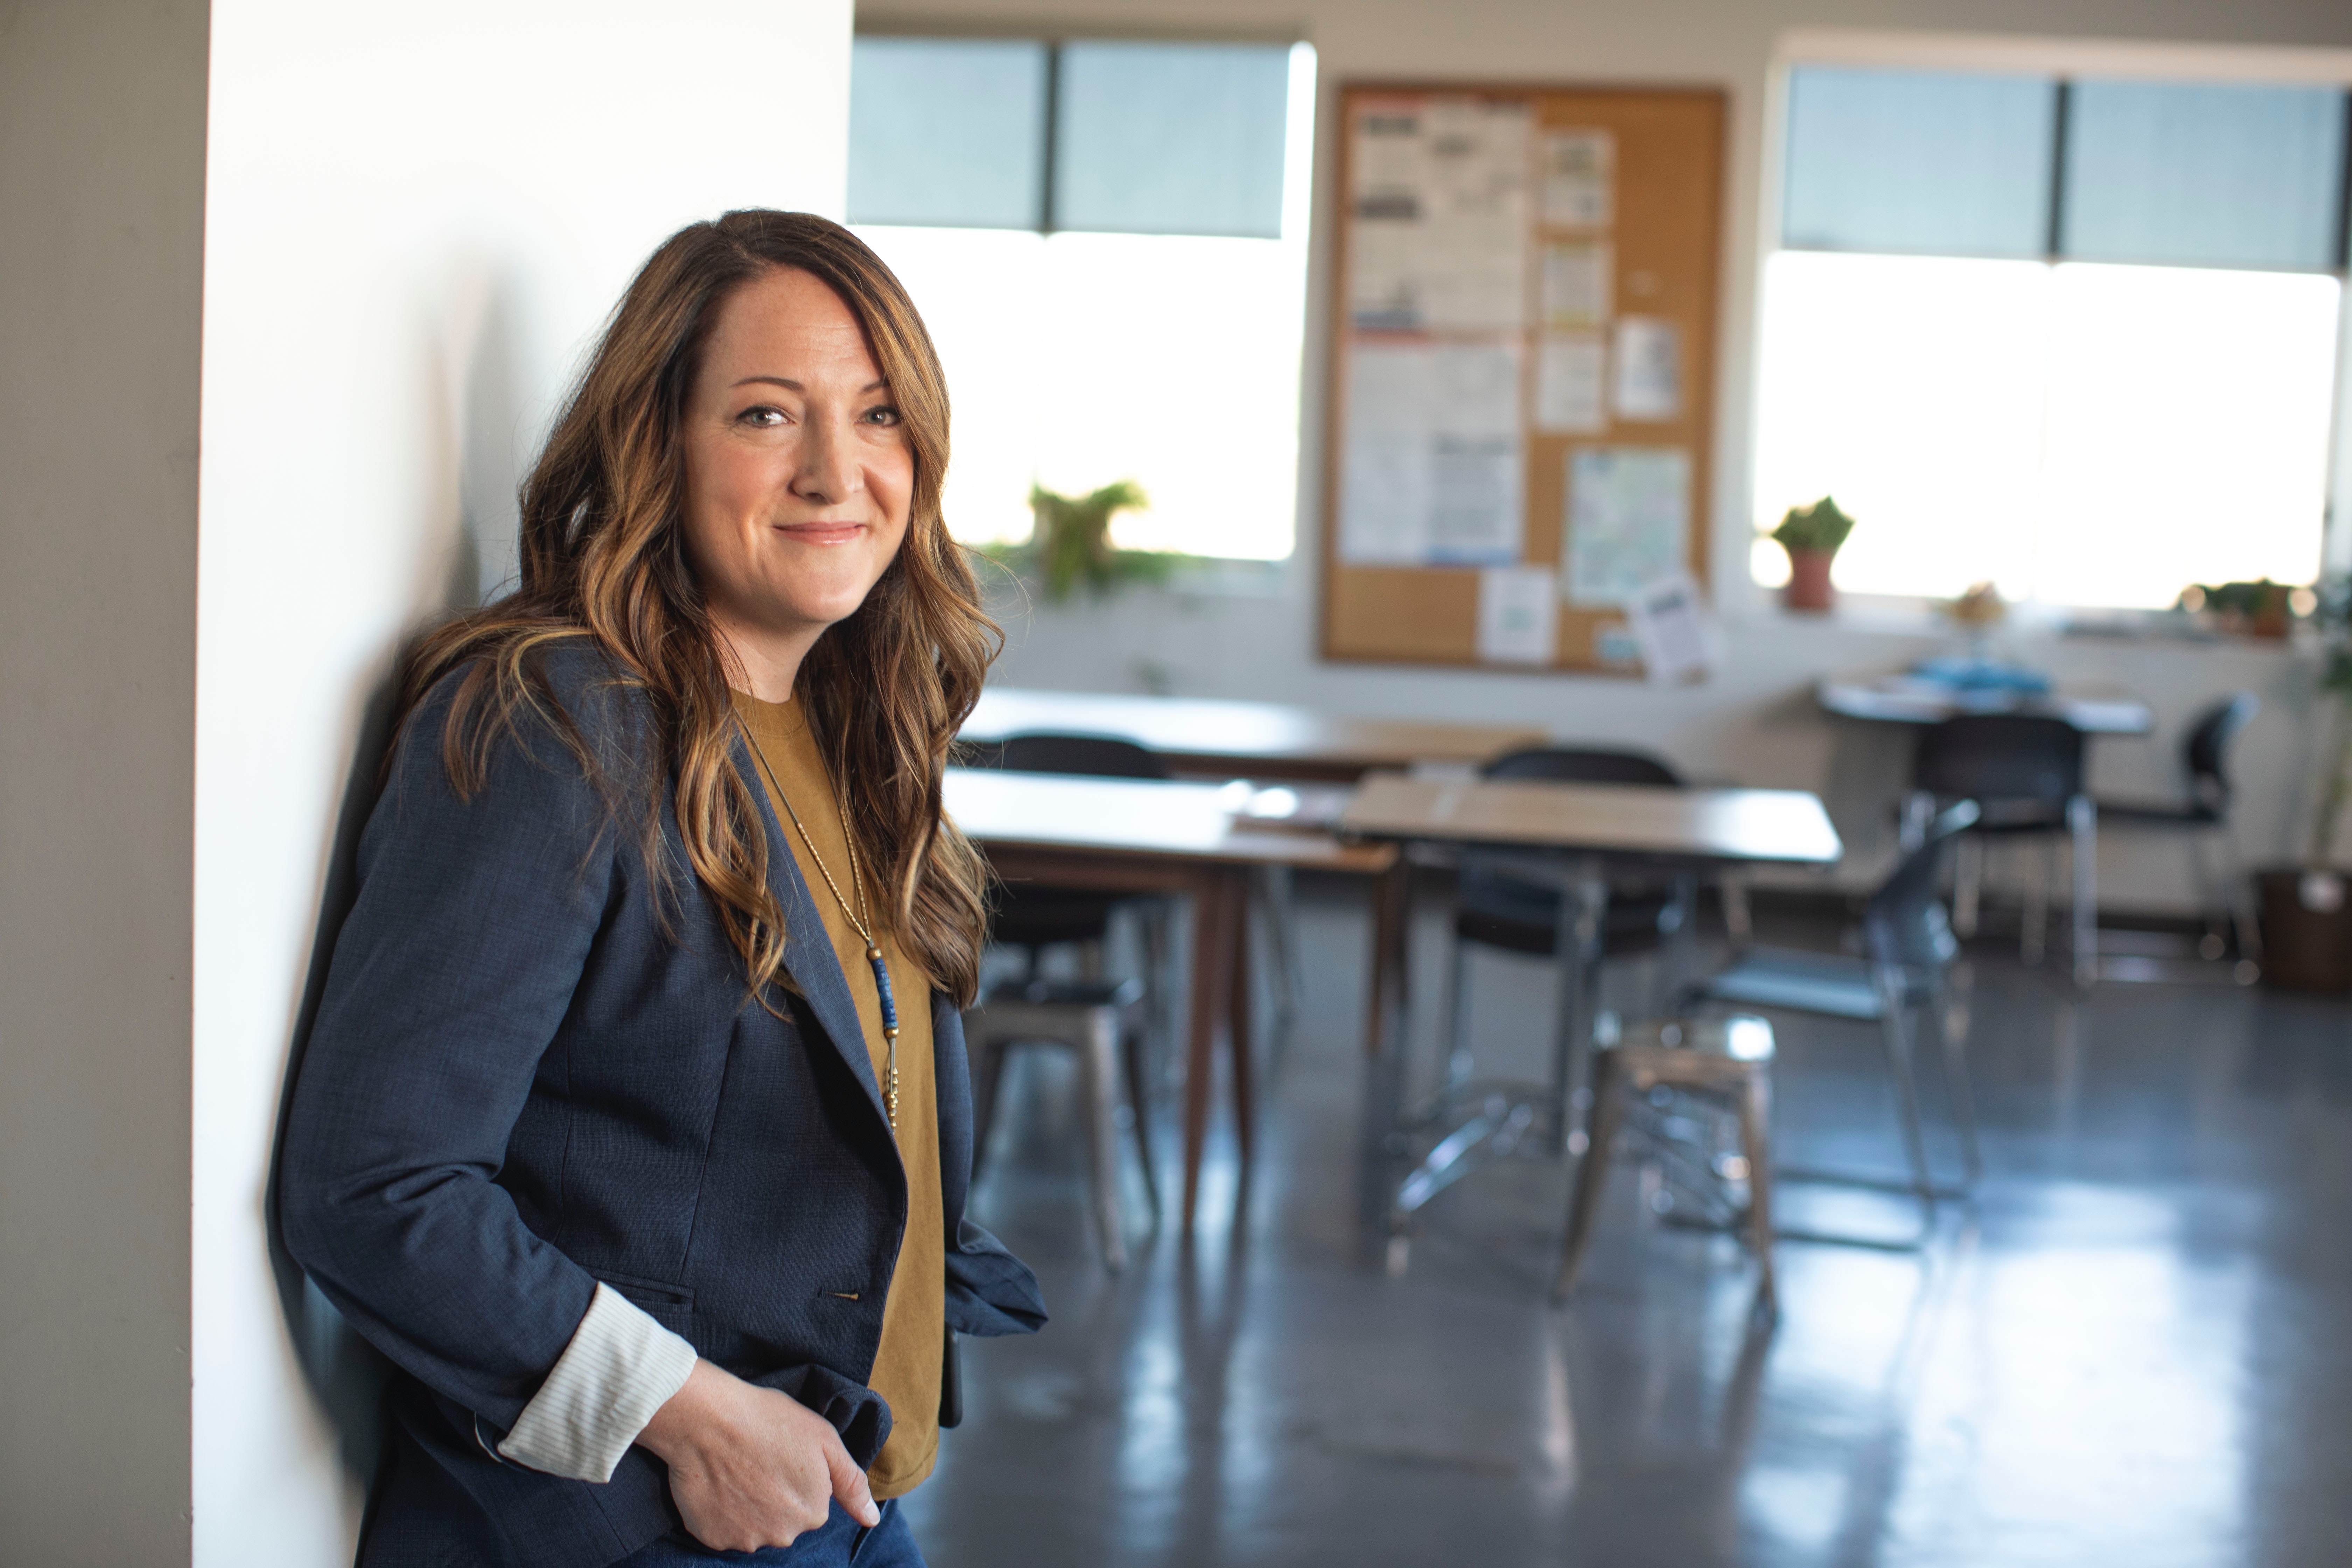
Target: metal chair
[(1102, 1022), (2024, 770), (1727, 1059), (1500, 910), (2202, 819), (1908, 944)]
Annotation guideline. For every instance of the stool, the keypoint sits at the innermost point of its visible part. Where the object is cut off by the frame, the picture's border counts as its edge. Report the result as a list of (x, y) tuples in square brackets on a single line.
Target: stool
[(1101, 1021), (1727, 1058)]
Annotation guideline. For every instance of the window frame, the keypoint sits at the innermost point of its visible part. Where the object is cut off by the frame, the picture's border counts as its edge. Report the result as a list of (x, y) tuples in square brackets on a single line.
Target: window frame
[(2063, 59), (1215, 576)]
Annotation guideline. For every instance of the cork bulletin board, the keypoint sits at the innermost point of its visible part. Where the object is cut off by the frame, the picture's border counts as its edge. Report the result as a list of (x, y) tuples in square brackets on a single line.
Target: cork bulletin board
[(1522, 369)]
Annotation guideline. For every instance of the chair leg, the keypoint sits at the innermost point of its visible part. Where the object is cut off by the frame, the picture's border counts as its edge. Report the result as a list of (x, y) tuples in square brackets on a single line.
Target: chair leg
[(1139, 1093), (2242, 901), (1968, 885), (1951, 1052), (1276, 897), (1161, 982), (1454, 1016), (2033, 940), (2212, 899), (1756, 1145), (1099, 1072), (1739, 920), (1591, 1172), (2083, 829), (1896, 1027), (987, 1054), (1911, 828)]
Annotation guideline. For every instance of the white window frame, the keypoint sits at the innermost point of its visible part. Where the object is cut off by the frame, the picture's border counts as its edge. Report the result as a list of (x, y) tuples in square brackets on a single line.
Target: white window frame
[(1739, 597)]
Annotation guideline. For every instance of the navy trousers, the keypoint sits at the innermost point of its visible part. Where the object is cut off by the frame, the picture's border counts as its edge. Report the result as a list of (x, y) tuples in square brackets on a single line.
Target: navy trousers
[(838, 1542)]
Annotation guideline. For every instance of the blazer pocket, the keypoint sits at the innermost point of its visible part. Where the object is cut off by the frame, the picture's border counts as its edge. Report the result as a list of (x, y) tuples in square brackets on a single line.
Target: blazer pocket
[(659, 1297)]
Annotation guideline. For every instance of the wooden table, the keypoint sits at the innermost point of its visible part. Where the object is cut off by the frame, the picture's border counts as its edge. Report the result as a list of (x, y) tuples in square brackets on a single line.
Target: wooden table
[(1146, 836), (1570, 836), (1254, 740), (2094, 708)]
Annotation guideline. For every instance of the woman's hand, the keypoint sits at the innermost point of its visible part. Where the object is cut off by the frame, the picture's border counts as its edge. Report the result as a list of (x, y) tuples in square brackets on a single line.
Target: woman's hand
[(752, 1468)]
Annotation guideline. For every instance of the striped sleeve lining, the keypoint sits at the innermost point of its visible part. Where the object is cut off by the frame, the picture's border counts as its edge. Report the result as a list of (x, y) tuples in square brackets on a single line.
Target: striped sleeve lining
[(620, 1367)]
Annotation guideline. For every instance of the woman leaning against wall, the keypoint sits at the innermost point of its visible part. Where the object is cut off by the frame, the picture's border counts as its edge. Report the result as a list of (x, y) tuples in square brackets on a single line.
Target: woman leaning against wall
[(636, 1126)]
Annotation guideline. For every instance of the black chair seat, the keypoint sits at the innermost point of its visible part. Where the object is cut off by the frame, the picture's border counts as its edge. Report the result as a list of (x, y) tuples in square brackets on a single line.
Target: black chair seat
[(1042, 915), (1523, 917), (1067, 993)]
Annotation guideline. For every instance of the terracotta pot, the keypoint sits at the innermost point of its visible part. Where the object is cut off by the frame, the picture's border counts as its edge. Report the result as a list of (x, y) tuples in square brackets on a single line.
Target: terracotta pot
[(2307, 928), (1808, 581)]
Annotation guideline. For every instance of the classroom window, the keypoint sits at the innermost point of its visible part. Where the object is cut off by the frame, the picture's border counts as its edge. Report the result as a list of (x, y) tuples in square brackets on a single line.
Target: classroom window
[(1107, 241), (2079, 338)]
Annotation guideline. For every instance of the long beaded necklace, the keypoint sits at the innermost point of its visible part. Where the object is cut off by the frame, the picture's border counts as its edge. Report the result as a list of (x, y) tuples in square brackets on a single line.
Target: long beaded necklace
[(860, 919)]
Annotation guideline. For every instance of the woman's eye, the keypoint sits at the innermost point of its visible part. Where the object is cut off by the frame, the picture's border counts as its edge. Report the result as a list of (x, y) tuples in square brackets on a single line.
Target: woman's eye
[(763, 415), (881, 417)]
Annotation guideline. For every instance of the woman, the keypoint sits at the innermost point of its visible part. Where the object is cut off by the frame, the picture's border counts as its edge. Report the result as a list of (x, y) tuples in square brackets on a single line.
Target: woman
[(625, 1129)]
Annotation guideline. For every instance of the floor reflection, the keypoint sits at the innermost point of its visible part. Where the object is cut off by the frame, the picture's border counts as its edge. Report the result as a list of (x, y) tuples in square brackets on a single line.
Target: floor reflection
[(2133, 1349)]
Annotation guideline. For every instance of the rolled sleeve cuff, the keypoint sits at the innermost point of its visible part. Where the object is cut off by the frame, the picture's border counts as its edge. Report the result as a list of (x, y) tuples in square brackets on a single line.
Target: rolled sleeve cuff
[(620, 1367)]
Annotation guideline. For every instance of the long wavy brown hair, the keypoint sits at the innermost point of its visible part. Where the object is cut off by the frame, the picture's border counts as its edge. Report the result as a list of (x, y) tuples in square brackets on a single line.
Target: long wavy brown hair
[(603, 559)]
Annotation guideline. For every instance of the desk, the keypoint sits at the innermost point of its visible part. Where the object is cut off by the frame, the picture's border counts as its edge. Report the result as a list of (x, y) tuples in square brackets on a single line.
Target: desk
[(1149, 836), (2096, 708), (1254, 740), (1569, 835)]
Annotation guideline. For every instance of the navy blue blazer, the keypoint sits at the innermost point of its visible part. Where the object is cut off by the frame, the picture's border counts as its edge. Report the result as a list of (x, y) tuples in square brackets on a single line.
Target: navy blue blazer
[(535, 1066)]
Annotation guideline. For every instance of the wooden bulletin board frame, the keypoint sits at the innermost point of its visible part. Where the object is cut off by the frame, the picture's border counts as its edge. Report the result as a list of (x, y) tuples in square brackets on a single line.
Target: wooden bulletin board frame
[(1665, 231)]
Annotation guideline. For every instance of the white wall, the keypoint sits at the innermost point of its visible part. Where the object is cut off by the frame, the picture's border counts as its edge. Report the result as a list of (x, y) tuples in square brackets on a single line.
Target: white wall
[(1754, 722), (417, 216), (101, 235)]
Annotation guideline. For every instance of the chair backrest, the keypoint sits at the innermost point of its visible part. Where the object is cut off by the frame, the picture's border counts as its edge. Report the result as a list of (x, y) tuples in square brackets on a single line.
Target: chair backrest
[(1904, 921), (2000, 758), (1572, 764), (1097, 756), (2208, 748)]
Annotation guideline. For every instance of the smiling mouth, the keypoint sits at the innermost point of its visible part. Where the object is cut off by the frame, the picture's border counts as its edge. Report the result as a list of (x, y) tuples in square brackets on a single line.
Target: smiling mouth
[(821, 533)]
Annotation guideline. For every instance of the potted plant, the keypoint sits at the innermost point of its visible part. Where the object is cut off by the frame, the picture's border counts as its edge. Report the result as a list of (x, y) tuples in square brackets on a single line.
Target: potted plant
[(1812, 535), (1070, 548), (2306, 914)]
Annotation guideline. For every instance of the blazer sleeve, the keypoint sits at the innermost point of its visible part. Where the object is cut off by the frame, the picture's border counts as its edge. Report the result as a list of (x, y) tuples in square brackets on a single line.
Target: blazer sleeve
[(473, 919)]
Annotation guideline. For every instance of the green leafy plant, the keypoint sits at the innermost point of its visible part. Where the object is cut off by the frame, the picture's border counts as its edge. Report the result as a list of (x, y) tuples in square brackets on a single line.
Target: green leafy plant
[(1070, 546), (1819, 528)]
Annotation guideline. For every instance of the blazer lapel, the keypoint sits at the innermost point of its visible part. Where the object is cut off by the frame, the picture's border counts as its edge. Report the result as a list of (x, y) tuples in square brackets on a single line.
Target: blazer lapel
[(809, 957)]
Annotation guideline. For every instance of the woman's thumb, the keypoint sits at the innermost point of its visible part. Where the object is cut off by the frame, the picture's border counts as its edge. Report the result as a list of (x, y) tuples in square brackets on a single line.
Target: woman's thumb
[(849, 1486)]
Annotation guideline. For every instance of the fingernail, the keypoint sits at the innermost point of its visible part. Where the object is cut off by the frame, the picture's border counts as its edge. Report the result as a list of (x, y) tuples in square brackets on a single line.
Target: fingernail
[(873, 1516)]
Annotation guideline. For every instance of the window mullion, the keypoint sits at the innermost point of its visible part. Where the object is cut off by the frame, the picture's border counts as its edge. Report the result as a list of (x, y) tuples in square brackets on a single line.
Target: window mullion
[(1051, 120), (2061, 118)]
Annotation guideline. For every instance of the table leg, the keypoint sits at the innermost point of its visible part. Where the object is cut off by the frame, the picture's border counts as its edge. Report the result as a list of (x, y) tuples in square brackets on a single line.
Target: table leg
[(1384, 1004), (1212, 957), (1237, 1012), (1583, 904)]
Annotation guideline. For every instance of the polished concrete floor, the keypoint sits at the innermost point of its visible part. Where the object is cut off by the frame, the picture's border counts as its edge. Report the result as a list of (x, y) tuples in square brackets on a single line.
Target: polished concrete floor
[(2133, 1348)]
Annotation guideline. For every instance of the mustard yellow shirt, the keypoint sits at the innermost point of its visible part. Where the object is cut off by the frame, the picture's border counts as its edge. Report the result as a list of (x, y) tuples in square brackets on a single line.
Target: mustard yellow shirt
[(907, 1365)]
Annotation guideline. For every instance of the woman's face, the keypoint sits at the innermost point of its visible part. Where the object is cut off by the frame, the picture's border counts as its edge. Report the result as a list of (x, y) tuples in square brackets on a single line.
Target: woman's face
[(798, 471)]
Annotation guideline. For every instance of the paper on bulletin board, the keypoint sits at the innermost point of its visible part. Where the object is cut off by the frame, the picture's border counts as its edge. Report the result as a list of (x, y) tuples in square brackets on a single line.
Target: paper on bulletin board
[(1579, 171), (1575, 283), (1628, 520), (1518, 621), (1668, 618), (1431, 462), (1438, 216), (1649, 382), (1571, 384)]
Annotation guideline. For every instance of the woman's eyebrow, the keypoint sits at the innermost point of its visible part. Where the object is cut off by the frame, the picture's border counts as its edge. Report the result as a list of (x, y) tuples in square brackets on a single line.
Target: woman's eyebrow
[(790, 386)]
